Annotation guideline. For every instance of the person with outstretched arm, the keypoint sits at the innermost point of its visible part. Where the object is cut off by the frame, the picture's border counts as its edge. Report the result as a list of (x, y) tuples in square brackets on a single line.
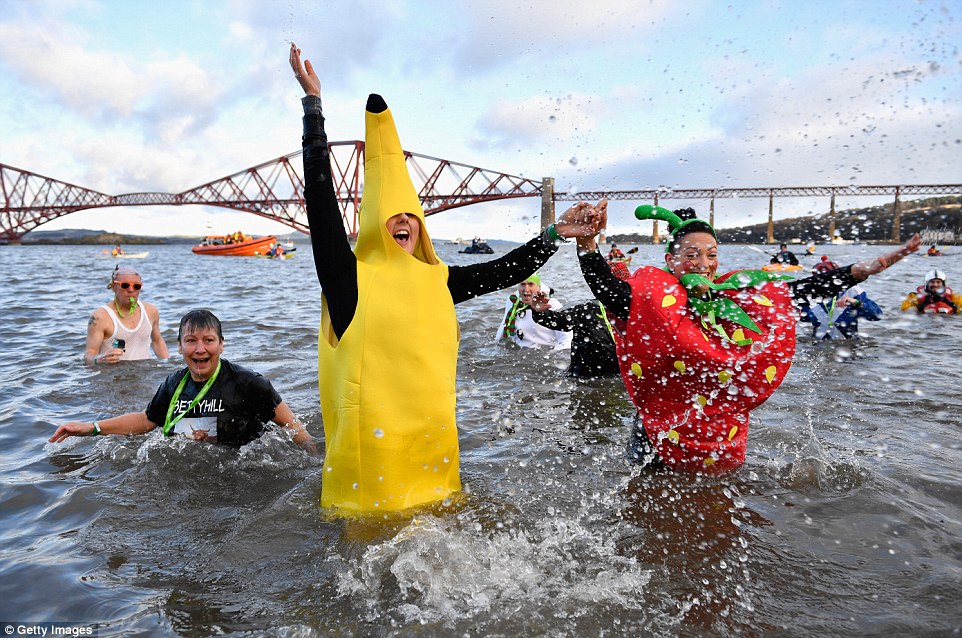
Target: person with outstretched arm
[(698, 350), (388, 339), (211, 400)]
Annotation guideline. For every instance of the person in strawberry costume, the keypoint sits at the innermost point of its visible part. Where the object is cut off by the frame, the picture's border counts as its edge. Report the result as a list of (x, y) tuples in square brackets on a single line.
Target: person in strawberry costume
[(698, 350)]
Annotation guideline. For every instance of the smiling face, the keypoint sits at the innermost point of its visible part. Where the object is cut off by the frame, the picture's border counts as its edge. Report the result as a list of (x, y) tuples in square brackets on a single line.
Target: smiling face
[(201, 347), (696, 253), (935, 285), (405, 229)]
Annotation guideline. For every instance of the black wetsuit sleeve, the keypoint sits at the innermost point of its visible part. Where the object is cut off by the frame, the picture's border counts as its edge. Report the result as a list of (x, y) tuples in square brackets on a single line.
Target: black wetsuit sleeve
[(467, 282), (333, 258), (563, 320), (822, 286), (614, 293)]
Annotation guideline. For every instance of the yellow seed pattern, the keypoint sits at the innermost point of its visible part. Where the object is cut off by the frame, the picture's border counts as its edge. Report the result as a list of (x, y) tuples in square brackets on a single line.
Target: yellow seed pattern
[(725, 376), (673, 436), (732, 432), (636, 370), (762, 300), (702, 401), (680, 366), (668, 300), (770, 373)]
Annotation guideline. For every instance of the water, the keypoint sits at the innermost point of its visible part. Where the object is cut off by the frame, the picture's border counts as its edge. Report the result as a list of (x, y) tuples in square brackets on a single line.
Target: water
[(845, 519)]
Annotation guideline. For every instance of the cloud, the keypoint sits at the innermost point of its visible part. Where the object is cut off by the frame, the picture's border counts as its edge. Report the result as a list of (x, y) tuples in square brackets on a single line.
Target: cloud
[(496, 33), (542, 120), (170, 95)]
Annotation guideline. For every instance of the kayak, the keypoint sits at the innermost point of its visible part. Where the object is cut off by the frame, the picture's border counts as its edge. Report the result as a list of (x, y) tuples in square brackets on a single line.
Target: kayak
[(781, 267), (141, 255)]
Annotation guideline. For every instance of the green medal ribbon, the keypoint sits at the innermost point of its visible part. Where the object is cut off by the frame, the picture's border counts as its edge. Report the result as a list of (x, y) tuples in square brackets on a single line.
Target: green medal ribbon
[(604, 317), (168, 423), (133, 306)]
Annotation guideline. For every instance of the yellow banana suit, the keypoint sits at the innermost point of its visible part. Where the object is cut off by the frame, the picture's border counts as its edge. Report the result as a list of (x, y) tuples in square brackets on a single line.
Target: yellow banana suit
[(388, 385)]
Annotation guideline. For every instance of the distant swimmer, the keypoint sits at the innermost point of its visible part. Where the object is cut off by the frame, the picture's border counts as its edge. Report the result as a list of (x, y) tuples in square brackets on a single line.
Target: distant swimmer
[(593, 353), (824, 265), (838, 317), (934, 251), (615, 253), (211, 400), (389, 335), (934, 296), (517, 324), (126, 328), (698, 350), (784, 256)]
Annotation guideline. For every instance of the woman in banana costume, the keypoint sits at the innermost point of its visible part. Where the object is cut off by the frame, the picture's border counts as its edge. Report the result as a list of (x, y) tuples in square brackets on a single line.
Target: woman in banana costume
[(699, 351), (388, 341)]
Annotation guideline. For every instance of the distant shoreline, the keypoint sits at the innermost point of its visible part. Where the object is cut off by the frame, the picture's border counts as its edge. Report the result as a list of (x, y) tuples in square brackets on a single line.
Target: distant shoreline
[(85, 237)]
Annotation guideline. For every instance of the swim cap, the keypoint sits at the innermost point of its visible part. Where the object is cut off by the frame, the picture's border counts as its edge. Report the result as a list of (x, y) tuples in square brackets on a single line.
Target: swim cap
[(123, 270), (535, 279)]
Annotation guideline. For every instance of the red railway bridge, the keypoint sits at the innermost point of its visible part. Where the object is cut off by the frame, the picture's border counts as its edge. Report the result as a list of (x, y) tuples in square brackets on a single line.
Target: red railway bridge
[(275, 189)]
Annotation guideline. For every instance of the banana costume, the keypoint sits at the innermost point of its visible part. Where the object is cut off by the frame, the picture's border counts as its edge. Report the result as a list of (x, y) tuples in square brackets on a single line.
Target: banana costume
[(388, 385)]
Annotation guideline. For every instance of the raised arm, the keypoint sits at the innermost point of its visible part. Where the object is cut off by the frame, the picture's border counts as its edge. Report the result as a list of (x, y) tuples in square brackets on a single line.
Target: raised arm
[(830, 283), (333, 259), (863, 270), (614, 293), (467, 282)]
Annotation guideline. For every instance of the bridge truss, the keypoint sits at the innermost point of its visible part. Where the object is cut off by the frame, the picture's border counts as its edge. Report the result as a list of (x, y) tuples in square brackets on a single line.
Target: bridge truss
[(275, 190)]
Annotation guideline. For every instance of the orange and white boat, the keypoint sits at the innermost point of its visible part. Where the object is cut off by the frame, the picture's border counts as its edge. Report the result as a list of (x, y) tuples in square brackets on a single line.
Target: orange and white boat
[(235, 245)]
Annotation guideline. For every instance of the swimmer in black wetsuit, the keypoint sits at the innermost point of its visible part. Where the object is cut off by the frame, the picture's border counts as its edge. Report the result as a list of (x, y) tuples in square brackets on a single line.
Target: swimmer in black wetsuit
[(212, 400)]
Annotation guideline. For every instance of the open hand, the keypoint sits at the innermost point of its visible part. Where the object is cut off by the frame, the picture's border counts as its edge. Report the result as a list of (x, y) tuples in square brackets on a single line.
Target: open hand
[(305, 73), (540, 302)]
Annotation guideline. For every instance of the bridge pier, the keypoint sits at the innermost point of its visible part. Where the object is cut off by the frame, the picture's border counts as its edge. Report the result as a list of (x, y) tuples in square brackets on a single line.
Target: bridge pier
[(771, 218), (547, 201), (897, 217), (831, 219), (655, 239)]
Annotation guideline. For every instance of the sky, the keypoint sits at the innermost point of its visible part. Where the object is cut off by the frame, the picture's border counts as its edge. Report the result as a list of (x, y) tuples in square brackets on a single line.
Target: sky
[(141, 96)]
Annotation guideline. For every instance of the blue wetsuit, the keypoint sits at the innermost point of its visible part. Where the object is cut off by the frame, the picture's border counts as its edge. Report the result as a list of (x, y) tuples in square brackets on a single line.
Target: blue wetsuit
[(830, 320)]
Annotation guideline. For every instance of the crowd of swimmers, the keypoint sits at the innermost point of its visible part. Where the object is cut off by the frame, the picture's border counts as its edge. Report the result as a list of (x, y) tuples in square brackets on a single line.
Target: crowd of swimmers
[(696, 348)]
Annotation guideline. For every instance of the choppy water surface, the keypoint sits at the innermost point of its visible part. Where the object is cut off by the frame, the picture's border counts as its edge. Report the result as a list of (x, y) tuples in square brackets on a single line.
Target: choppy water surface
[(845, 520)]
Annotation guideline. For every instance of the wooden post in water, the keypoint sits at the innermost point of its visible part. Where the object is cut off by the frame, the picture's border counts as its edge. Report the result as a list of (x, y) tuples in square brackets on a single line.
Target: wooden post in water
[(897, 218), (831, 219), (655, 239), (547, 201), (771, 219)]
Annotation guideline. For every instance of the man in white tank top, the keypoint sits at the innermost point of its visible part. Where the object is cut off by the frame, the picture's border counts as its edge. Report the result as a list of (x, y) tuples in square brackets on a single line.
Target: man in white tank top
[(126, 328)]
